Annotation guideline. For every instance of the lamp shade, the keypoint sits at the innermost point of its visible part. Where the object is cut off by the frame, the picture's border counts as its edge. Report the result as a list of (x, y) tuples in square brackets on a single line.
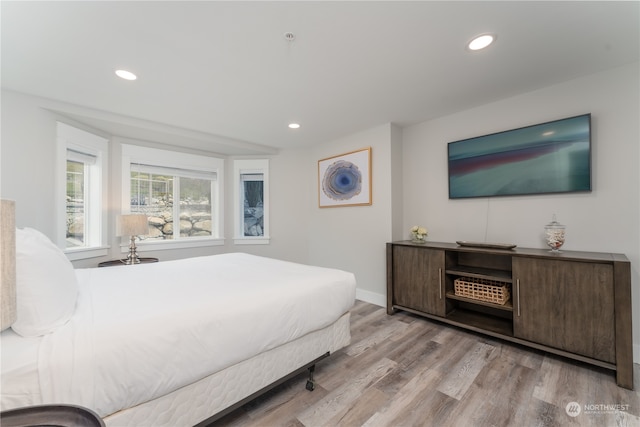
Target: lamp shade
[(132, 225), (8, 310)]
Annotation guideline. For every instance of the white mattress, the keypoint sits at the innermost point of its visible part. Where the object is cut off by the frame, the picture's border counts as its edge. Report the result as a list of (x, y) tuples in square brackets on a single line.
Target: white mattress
[(124, 354), (188, 405), (199, 401)]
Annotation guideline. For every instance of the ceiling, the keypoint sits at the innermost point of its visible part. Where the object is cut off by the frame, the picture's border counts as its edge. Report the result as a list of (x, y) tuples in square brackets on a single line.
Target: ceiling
[(221, 76)]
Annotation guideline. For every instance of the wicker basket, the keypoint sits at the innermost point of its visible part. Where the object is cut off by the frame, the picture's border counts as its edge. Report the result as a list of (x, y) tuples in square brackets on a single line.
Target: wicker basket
[(485, 290)]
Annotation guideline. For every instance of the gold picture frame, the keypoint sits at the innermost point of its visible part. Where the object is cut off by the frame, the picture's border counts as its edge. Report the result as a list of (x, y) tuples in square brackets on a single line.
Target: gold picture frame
[(345, 179)]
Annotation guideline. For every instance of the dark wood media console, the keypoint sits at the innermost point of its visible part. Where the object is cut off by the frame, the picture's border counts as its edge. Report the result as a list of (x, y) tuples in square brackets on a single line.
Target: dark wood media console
[(574, 304)]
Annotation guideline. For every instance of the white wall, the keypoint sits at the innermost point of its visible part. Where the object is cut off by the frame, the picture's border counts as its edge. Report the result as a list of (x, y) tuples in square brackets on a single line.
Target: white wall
[(28, 172), (409, 184), (353, 238), (605, 220), (290, 196), (28, 165)]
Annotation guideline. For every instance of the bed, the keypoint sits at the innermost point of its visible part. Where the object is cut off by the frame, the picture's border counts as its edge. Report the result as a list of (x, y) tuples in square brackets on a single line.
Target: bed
[(173, 343)]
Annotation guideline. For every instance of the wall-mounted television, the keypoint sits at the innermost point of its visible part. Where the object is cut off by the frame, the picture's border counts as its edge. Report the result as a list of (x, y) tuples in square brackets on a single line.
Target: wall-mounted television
[(552, 157)]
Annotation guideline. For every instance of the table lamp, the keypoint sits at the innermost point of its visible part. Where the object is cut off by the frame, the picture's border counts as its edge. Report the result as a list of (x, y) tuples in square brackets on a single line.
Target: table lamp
[(132, 225)]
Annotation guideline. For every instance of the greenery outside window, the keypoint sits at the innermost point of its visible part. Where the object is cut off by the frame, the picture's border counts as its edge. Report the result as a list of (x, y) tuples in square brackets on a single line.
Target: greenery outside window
[(83, 157), (251, 201), (178, 192)]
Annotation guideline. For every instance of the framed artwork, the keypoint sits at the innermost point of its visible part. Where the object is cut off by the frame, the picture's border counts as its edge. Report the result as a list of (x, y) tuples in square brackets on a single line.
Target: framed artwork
[(345, 180)]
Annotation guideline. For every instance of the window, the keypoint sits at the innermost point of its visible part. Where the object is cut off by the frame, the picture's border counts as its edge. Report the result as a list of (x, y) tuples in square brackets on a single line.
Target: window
[(178, 192), (82, 191), (251, 201), (252, 213)]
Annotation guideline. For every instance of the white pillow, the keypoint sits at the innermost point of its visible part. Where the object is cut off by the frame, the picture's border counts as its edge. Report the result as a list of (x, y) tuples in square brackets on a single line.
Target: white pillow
[(47, 288)]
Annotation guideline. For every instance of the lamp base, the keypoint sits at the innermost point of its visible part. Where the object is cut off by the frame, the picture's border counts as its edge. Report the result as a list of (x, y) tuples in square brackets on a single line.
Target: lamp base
[(132, 256)]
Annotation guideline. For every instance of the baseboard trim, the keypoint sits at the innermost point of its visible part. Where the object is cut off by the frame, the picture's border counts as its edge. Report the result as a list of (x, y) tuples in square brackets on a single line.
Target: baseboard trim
[(371, 297)]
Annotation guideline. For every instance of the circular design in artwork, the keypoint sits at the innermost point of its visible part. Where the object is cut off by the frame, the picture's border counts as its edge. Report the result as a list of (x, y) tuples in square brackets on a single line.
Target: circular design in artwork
[(342, 180)]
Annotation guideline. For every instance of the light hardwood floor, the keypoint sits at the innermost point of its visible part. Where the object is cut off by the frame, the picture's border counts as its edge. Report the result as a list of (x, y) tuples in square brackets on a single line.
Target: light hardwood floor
[(403, 370)]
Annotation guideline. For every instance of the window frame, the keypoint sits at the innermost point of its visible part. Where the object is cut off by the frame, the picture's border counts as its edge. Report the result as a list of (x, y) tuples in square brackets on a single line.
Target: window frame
[(175, 160), (70, 138), (247, 167)]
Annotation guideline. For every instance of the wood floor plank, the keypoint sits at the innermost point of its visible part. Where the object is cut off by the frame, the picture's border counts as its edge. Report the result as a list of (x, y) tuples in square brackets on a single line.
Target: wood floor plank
[(423, 383), (548, 377), (511, 400), (377, 336), (464, 373), (446, 360), (362, 409), (361, 308), (521, 355), (406, 371), (544, 414), (338, 401), (283, 403), (410, 364)]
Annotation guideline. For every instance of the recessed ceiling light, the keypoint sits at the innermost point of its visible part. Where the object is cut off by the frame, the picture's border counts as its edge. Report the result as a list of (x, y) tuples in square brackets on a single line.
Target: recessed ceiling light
[(294, 126), (127, 75), (481, 41)]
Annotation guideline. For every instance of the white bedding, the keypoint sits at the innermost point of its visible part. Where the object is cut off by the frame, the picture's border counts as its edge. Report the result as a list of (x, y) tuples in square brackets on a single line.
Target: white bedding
[(19, 379), (144, 331)]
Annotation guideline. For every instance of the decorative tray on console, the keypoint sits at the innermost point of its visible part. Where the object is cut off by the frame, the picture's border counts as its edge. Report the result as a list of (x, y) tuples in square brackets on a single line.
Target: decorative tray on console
[(486, 245)]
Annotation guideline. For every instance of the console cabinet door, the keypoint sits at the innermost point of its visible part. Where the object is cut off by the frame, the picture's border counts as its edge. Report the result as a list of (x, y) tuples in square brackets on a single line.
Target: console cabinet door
[(417, 279), (568, 305)]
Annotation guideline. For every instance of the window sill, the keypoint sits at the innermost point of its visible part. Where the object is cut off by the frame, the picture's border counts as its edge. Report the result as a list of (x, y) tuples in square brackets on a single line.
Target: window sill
[(172, 244), (85, 253), (251, 240)]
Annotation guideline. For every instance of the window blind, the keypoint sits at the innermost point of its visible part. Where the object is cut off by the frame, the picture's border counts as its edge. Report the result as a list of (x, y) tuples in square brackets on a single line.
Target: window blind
[(164, 170), (81, 157), (251, 177)]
